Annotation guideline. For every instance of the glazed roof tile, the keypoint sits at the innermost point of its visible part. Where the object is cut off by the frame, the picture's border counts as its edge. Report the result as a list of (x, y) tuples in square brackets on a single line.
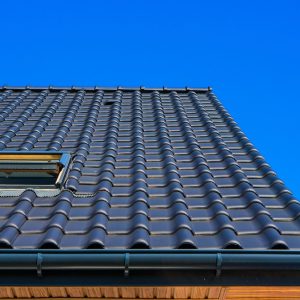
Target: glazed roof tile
[(151, 168)]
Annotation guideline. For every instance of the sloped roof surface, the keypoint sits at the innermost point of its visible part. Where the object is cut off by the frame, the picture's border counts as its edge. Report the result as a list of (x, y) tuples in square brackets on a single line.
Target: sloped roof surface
[(151, 169)]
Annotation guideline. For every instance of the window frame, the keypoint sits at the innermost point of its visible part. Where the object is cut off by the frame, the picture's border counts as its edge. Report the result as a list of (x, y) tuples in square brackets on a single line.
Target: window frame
[(34, 161)]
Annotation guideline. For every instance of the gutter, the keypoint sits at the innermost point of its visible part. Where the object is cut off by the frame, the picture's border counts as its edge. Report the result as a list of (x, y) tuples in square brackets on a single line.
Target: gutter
[(138, 261), (148, 267), (149, 260)]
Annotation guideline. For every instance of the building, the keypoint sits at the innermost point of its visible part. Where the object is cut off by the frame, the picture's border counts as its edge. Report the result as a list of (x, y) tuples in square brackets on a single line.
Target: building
[(138, 193)]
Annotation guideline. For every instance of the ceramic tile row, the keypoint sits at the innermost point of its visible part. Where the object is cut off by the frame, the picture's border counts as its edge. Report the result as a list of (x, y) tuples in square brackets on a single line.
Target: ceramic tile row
[(149, 170)]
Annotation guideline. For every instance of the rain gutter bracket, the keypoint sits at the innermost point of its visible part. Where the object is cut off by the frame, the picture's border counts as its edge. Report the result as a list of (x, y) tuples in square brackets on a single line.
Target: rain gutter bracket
[(219, 264), (126, 265), (39, 262)]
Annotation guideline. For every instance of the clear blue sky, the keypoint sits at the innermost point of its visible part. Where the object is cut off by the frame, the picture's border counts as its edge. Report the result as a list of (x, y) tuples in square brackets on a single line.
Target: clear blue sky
[(248, 51)]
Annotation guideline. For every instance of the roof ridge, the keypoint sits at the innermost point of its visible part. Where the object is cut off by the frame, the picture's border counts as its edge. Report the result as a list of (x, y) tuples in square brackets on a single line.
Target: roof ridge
[(106, 88)]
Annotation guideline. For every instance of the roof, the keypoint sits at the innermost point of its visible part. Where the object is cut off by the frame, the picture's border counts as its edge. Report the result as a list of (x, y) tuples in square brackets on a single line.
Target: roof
[(151, 168)]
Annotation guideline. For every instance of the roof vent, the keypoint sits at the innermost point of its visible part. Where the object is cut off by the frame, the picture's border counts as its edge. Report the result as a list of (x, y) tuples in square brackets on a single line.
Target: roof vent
[(109, 102)]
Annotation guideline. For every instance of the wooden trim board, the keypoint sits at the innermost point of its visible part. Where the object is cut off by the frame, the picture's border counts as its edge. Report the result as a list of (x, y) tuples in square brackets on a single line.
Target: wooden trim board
[(110, 293)]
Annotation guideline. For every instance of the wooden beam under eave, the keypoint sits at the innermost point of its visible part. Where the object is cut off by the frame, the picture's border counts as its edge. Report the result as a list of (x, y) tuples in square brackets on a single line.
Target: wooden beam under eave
[(179, 293)]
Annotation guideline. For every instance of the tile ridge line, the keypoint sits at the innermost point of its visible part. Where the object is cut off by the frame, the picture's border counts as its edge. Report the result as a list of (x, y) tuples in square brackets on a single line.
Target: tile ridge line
[(105, 88)]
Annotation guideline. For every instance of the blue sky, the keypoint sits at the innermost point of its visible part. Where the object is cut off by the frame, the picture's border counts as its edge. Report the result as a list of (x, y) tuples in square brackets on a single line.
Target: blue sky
[(248, 51)]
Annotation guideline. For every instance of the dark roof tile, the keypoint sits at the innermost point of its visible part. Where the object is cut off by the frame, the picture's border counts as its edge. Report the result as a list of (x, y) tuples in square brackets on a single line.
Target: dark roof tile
[(150, 169)]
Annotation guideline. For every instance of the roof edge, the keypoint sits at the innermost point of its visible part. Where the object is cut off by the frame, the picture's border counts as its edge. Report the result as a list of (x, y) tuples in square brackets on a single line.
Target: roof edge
[(95, 88)]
